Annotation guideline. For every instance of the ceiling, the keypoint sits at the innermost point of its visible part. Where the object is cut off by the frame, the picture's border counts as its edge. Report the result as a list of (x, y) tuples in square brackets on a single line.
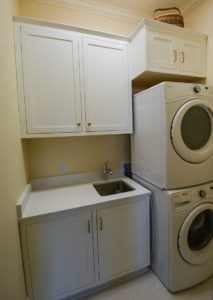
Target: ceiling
[(132, 9), (143, 6)]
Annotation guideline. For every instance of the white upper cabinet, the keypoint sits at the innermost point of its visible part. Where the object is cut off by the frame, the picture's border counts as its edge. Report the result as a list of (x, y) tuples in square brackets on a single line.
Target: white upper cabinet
[(167, 49), (71, 83), (192, 56), (162, 51), (51, 80), (107, 86)]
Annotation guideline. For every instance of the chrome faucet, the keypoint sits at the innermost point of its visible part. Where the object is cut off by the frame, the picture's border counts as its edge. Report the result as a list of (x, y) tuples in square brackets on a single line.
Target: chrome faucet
[(107, 171)]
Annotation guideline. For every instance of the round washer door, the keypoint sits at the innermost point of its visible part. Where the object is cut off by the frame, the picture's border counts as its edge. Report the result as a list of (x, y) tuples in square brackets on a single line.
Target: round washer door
[(195, 239), (192, 131)]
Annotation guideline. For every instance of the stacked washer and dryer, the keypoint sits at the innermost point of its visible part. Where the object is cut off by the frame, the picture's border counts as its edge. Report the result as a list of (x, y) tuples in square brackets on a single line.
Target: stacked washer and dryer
[(172, 155)]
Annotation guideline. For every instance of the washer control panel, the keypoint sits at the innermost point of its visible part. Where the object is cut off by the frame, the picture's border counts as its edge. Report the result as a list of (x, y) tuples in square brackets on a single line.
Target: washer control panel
[(202, 193), (205, 193), (192, 196), (181, 200), (197, 88)]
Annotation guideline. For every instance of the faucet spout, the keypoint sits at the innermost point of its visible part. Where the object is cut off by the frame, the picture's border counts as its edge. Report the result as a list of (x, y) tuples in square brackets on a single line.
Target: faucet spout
[(107, 171)]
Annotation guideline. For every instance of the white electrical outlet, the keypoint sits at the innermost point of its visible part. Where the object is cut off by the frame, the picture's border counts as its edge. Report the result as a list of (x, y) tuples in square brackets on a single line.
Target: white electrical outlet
[(63, 168)]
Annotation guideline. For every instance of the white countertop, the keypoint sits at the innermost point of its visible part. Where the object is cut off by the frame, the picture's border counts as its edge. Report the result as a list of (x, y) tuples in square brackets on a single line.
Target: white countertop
[(61, 198)]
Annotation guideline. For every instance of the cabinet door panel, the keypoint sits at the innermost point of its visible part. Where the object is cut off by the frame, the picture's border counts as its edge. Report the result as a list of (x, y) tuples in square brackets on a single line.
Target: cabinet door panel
[(162, 51), (123, 239), (107, 85), (192, 56), (60, 256), (51, 80)]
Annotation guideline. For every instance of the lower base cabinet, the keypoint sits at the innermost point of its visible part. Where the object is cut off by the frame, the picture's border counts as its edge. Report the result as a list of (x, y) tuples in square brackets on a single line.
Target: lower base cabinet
[(123, 240), (60, 256), (68, 253)]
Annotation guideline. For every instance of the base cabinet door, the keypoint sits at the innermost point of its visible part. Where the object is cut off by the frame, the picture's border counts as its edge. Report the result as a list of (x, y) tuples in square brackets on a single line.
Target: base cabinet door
[(60, 254), (123, 239)]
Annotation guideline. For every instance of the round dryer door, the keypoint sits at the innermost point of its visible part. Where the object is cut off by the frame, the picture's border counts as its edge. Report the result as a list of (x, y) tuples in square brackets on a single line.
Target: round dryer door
[(192, 131), (195, 239)]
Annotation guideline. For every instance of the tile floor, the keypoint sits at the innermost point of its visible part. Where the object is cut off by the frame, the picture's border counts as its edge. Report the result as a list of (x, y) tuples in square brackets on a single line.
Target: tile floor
[(148, 287)]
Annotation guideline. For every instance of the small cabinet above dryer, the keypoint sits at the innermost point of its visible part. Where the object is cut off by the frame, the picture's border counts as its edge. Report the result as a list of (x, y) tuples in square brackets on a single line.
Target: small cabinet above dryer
[(161, 51)]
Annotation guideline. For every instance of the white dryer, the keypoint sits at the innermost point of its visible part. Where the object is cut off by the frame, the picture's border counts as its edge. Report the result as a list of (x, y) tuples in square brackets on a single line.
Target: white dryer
[(172, 144), (182, 235)]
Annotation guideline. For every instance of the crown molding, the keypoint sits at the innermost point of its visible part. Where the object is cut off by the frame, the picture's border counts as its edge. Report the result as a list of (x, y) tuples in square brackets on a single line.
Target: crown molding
[(190, 6), (93, 6)]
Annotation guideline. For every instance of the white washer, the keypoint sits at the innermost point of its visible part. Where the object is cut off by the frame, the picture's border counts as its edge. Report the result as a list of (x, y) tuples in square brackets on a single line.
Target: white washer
[(172, 144), (182, 235)]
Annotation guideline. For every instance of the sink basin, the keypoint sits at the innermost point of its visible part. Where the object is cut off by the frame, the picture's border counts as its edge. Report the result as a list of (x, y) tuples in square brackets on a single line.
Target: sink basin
[(113, 187)]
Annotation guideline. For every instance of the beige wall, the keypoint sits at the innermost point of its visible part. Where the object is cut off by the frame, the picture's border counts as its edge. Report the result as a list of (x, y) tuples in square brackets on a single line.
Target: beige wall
[(12, 170), (78, 18), (82, 154), (201, 20)]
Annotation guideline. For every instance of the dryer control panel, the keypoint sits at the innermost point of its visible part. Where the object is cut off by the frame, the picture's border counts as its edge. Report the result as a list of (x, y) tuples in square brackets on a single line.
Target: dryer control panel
[(178, 90)]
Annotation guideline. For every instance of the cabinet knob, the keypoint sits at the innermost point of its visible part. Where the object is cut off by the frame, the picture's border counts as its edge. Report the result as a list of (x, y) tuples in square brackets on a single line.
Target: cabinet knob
[(78, 124), (89, 124)]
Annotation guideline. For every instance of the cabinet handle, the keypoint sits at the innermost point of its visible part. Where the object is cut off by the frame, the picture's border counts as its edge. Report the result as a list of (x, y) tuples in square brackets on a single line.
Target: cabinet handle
[(78, 124), (88, 226), (101, 223), (89, 124), (183, 57), (174, 56)]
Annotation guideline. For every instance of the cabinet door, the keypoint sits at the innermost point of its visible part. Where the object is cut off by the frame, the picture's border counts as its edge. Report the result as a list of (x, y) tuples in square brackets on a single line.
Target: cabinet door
[(51, 80), (107, 85), (192, 56), (162, 51), (60, 256), (123, 239)]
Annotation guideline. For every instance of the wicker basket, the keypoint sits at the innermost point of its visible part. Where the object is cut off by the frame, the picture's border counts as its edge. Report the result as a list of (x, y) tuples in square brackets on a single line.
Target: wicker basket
[(170, 15)]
